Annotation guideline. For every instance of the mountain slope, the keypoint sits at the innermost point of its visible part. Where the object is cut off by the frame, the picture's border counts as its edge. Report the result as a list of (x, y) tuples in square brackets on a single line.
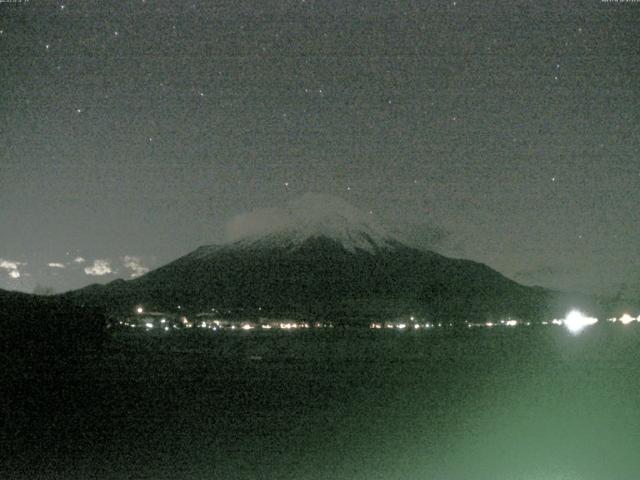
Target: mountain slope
[(319, 257), (320, 275)]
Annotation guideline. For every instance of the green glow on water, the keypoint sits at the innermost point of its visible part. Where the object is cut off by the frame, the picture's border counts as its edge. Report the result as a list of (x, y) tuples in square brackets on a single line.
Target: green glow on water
[(493, 404)]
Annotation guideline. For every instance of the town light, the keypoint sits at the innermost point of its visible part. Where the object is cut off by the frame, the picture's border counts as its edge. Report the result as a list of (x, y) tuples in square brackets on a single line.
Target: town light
[(626, 319), (576, 321)]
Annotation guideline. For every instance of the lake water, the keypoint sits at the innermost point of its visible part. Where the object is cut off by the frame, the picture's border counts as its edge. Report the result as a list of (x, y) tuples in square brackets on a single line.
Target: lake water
[(505, 403)]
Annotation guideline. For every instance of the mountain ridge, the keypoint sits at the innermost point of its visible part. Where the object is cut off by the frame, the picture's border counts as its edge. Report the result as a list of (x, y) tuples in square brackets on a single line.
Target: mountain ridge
[(320, 257)]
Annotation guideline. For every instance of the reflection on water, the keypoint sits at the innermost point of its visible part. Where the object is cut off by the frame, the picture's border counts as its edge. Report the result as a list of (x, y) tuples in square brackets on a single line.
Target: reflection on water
[(513, 403)]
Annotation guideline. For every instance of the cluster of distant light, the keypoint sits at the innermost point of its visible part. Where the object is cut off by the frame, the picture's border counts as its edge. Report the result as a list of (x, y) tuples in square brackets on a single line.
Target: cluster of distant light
[(249, 325), (405, 325), (158, 321), (502, 323), (625, 319), (575, 321)]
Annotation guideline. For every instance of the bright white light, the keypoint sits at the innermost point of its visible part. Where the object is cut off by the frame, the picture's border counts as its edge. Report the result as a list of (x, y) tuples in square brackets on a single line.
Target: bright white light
[(576, 321), (402, 326), (247, 327), (511, 323), (488, 324), (626, 319), (139, 310), (166, 329), (149, 325)]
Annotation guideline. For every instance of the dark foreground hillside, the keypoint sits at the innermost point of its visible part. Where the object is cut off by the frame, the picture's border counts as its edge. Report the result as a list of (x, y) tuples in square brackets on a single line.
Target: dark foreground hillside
[(521, 403), (44, 343)]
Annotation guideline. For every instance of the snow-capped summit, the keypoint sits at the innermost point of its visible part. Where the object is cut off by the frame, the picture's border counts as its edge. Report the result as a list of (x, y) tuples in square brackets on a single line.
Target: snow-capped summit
[(311, 216)]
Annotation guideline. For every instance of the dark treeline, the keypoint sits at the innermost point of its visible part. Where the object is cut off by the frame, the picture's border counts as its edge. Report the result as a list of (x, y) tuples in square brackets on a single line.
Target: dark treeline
[(34, 326)]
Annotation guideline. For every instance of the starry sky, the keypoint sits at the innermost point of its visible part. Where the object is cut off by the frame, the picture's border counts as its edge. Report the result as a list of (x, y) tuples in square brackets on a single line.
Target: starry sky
[(504, 132)]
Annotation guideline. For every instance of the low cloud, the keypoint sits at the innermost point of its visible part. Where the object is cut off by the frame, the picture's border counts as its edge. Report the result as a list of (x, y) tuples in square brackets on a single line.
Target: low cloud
[(423, 235), (11, 267), (79, 260), (56, 265), (312, 212), (258, 222), (99, 268), (134, 264)]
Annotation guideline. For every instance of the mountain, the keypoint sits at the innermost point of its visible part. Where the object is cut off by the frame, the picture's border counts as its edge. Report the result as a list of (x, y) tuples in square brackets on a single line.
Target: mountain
[(321, 258)]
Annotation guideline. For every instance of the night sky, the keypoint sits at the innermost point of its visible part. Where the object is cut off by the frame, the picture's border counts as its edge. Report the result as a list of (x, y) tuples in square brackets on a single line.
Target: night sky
[(504, 132)]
